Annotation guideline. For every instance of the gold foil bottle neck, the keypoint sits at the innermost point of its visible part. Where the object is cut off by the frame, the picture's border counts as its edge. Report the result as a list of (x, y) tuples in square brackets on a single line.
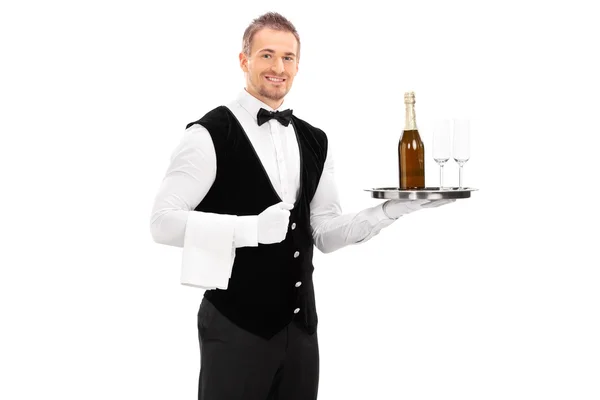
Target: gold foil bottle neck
[(410, 120)]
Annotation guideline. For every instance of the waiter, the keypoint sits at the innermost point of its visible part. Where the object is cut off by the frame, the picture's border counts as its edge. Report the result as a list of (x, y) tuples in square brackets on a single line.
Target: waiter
[(249, 191)]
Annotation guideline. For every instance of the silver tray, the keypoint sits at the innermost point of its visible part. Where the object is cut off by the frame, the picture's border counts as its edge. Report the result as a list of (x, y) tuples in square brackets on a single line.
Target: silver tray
[(429, 193)]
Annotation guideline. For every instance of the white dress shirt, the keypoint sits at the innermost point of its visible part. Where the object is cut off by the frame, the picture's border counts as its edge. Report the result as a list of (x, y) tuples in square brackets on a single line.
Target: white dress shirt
[(209, 240)]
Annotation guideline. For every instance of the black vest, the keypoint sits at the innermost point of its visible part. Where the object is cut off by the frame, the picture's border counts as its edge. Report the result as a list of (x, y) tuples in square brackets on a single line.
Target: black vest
[(270, 285)]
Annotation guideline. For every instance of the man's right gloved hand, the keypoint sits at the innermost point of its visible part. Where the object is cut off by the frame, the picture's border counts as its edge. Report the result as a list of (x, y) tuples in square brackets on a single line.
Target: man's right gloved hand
[(396, 208), (273, 223)]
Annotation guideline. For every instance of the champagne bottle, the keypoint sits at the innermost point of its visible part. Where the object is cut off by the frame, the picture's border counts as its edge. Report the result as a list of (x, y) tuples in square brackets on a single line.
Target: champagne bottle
[(411, 151)]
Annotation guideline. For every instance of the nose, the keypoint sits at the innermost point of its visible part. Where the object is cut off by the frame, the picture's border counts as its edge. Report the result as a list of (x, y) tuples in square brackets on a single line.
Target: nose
[(278, 66)]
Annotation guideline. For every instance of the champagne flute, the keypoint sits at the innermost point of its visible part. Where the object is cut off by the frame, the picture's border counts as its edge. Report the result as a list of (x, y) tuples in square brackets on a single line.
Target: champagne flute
[(461, 150), (441, 145)]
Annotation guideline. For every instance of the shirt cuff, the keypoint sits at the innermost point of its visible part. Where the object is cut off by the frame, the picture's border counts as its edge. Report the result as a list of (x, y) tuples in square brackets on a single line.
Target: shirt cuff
[(246, 231), (380, 214)]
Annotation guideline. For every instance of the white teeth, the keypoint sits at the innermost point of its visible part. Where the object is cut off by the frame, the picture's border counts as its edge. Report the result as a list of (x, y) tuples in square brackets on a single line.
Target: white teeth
[(275, 79)]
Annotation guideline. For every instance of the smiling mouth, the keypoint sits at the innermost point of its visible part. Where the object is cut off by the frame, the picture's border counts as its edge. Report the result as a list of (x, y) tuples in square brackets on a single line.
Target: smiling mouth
[(274, 79)]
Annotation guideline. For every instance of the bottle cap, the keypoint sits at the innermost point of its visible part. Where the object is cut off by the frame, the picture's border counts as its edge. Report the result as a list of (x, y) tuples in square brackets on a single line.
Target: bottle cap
[(409, 98)]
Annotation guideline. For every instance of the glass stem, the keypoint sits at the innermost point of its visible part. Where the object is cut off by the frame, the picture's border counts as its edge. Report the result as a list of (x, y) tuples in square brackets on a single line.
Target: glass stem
[(460, 177), (441, 176)]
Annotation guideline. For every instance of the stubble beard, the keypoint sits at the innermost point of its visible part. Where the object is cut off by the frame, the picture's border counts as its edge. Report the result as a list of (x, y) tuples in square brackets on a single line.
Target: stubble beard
[(272, 94)]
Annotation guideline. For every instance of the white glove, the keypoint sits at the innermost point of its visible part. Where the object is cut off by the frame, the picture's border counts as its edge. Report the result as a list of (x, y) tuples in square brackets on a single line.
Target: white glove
[(396, 208), (273, 223)]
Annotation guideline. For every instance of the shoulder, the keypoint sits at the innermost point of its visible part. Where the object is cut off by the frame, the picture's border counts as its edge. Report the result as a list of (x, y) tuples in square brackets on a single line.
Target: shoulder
[(216, 116), (317, 133), (195, 145), (315, 138)]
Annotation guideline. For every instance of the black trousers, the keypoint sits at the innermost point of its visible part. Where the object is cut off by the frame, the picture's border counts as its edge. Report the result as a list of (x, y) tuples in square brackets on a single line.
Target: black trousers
[(238, 365)]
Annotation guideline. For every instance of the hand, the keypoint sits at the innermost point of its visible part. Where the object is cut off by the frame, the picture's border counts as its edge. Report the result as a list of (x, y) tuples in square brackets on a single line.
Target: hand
[(273, 223), (396, 208)]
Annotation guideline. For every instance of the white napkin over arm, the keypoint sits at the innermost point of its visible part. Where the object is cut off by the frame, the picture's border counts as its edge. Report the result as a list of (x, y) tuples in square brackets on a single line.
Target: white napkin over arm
[(208, 250)]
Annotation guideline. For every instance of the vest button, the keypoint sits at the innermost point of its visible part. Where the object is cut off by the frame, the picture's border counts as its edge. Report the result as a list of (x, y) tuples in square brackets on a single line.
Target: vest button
[(298, 284), (296, 311), (296, 254), (293, 225)]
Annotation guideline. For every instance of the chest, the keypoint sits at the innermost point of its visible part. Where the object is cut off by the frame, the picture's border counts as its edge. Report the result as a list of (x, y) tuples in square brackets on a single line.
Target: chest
[(278, 150)]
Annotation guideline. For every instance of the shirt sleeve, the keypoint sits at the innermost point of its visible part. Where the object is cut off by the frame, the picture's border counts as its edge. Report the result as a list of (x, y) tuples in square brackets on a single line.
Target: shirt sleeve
[(174, 222), (331, 229)]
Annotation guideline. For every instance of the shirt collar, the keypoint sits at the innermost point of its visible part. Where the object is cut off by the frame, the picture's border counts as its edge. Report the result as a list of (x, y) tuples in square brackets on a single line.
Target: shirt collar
[(252, 104)]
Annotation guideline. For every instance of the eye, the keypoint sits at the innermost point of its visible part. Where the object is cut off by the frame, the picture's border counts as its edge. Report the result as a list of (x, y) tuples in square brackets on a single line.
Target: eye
[(289, 58), (266, 55)]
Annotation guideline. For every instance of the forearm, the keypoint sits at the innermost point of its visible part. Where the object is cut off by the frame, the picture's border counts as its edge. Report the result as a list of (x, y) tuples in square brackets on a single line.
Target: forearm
[(333, 230), (168, 226)]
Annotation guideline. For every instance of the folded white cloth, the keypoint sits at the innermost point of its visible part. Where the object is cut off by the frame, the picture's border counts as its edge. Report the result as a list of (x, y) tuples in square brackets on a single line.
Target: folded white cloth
[(208, 250)]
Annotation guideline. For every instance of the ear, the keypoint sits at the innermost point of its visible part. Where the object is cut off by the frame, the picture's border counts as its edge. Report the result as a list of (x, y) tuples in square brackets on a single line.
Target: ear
[(243, 62)]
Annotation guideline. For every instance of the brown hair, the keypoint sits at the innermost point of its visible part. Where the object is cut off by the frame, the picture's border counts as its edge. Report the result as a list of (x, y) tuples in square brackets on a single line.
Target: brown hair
[(271, 20)]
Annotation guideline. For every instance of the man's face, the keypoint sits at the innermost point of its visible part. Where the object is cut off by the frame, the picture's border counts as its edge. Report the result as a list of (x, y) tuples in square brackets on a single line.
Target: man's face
[(272, 65)]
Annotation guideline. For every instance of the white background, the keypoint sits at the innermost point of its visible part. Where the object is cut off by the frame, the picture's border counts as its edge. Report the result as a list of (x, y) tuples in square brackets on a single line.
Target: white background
[(494, 297)]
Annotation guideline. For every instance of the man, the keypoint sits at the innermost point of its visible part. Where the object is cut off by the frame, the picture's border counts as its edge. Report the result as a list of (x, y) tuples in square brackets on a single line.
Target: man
[(249, 192)]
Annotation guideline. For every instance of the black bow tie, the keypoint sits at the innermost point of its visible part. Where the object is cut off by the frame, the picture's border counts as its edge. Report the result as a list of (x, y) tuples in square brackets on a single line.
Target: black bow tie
[(284, 117)]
